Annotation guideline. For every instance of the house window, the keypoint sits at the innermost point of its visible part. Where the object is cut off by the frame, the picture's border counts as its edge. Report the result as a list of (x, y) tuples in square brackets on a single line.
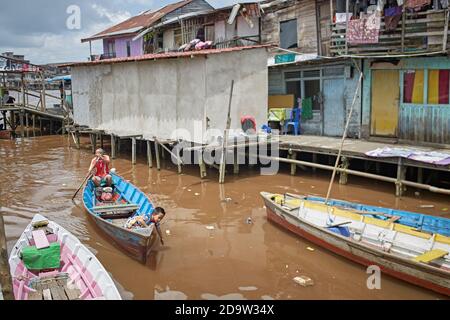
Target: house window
[(413, 84), (312, 90), (295, 88), (288, 34), (111, 48), (209, 33), (438, 86), (177, 38), (128, 48)]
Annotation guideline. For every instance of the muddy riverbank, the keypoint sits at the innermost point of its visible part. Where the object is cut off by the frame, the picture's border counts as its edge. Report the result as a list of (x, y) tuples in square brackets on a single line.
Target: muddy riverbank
[(236, 259)]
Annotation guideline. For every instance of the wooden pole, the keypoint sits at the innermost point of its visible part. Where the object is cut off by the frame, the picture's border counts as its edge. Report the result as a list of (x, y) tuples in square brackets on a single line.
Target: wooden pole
[(444, 41), (43, 99), (338, 158), (22, 129), (133, 151), (225, 138), (5, 274), (113, 146), (27, 124), (403, 29), (158, 161), (401, 174), (149, 154), (346, 25), (201, 165), (33, 117)]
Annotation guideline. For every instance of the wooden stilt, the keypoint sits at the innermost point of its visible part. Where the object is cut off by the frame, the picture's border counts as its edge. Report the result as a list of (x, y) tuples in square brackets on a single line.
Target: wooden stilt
[(293, 156), (40, 126), (78, 139), (101, 141), (343, 176), (202, 165), (236, 162), (113, 146), (22, 129), (314, 160), (33, 120), (133, 151), (4, 119), (27, 125), (180, 169), (149, 154), (51, 126), (158, 161), (93, 138), (420, 175), (401, 175), (5, 274)]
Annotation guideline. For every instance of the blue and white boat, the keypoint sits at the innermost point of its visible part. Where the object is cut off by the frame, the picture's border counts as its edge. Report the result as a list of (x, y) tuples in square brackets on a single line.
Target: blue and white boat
[(111, 217)]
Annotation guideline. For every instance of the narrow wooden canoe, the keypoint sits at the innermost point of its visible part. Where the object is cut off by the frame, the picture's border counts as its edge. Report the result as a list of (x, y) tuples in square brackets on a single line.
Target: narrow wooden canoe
[(79, 276), (129, 200), (401, 251)]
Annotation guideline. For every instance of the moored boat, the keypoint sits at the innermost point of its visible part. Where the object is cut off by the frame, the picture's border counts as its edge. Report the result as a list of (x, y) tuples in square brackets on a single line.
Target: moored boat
[(399, 250), (49, 263), (111, 216)]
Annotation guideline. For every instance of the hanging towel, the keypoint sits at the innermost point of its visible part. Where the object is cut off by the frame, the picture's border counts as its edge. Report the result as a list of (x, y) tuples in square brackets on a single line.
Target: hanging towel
[(365, 30), (307, 109), (417, 5)]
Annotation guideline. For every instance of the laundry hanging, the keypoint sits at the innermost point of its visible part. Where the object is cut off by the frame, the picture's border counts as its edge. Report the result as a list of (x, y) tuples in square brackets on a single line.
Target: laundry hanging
[(392, 17), (364, 30)]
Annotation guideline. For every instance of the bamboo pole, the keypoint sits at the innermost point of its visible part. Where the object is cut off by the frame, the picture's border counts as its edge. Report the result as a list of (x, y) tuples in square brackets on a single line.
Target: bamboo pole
[(149, 154), (225, 138), (338, 159), (5, 274)]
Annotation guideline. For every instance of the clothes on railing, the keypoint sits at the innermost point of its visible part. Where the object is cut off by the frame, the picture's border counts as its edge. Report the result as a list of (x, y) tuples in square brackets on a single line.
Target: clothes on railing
[(392, 17), (417, 5)]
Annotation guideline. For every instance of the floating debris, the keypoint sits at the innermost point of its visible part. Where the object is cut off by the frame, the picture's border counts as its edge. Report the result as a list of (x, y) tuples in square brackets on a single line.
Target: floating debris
[(39, 181), (427, 206), (168, 232), (417, 193), (304, 281), (310, 249), (444, 209), (250, 288), (197, 194), (210, 227), (249, 220), (189, 190)]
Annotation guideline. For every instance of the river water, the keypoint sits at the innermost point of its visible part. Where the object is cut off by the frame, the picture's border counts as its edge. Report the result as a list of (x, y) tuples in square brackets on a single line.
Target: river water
[(234, 259)]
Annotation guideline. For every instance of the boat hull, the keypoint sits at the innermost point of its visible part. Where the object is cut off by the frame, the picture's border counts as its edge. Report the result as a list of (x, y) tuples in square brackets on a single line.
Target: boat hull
[(136, 246), (417, 274)]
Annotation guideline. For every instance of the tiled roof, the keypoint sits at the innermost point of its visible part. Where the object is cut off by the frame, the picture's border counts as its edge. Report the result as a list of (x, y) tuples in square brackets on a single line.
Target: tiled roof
[(143, 20), (168, 55)]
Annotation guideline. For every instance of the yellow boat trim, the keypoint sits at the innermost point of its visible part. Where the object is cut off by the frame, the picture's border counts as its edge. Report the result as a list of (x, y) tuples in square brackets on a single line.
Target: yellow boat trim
[(432, 255), (357, 217)]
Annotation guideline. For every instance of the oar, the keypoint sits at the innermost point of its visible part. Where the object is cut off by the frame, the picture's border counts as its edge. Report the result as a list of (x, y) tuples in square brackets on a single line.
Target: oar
[(82, 184), (84, 181)]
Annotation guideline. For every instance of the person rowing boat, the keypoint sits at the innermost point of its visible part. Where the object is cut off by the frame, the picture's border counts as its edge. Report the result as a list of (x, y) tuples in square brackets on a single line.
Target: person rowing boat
[(100, 163), (146, 219)]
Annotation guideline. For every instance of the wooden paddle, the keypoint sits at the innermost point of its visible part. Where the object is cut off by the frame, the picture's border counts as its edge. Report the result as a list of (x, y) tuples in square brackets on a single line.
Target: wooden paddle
[(89, 175)]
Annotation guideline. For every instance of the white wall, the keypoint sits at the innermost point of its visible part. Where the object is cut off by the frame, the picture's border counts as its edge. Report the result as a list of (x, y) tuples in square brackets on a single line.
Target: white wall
[(168, 39), (154, 98)]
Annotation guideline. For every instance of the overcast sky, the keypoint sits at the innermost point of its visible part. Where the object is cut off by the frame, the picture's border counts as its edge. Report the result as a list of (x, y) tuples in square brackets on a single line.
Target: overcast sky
[(38, 28)]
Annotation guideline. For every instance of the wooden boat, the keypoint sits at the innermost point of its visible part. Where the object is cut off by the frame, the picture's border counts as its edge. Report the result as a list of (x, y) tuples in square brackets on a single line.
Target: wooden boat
[(128, 200), (72, 272), (415, 220), (401, 251)]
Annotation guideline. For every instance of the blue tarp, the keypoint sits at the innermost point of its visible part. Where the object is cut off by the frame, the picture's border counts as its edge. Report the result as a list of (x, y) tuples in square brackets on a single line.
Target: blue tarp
[(59, 78)]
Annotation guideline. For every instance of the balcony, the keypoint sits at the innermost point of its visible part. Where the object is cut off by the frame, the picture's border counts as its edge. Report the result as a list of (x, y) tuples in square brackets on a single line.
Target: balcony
[(419, 32)]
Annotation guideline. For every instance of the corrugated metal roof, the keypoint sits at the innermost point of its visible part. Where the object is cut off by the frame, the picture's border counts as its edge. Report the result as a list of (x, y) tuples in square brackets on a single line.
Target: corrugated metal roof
[(168, 55), (138, 22)]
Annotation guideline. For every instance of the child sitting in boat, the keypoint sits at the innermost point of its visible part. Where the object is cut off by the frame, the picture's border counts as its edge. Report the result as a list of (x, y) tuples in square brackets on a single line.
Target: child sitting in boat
[(146, 219)]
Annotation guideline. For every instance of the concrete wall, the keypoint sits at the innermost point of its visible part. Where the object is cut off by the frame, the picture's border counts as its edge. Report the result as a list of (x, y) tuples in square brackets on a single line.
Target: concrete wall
[(154, 98)]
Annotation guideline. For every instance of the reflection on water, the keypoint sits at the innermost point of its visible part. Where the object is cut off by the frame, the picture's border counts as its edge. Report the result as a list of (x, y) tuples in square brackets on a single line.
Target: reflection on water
[(241, 257)]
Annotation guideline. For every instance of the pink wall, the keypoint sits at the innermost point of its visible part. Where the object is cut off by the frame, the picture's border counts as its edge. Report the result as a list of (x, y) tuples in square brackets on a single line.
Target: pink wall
[(121, 46)]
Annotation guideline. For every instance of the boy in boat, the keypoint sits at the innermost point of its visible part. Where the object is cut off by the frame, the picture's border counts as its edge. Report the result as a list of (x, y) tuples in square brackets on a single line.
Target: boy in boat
[(146, 219), (100, 163)]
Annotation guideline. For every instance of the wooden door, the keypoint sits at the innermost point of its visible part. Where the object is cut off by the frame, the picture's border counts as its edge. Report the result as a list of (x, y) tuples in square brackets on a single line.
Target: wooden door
[(385, 103)]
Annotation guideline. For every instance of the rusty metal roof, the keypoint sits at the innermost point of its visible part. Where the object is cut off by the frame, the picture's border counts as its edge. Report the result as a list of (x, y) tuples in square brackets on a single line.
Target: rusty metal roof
[(169, 55), (138, 22)]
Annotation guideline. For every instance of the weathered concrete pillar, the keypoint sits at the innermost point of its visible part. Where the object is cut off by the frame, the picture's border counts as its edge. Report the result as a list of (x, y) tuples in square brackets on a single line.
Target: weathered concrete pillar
[(401, 174), (420, 175), (314, 160), (149, 154), (343, 176), (133, 151), (236, 162), (78, 139), (180, 168)]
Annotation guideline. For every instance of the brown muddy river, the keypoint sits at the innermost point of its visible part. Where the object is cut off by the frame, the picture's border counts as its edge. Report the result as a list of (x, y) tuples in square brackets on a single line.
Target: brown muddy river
[(234, 260)]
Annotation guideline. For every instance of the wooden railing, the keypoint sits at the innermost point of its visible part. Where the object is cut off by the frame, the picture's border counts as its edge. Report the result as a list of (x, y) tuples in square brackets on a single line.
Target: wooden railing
[(418, 32)]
